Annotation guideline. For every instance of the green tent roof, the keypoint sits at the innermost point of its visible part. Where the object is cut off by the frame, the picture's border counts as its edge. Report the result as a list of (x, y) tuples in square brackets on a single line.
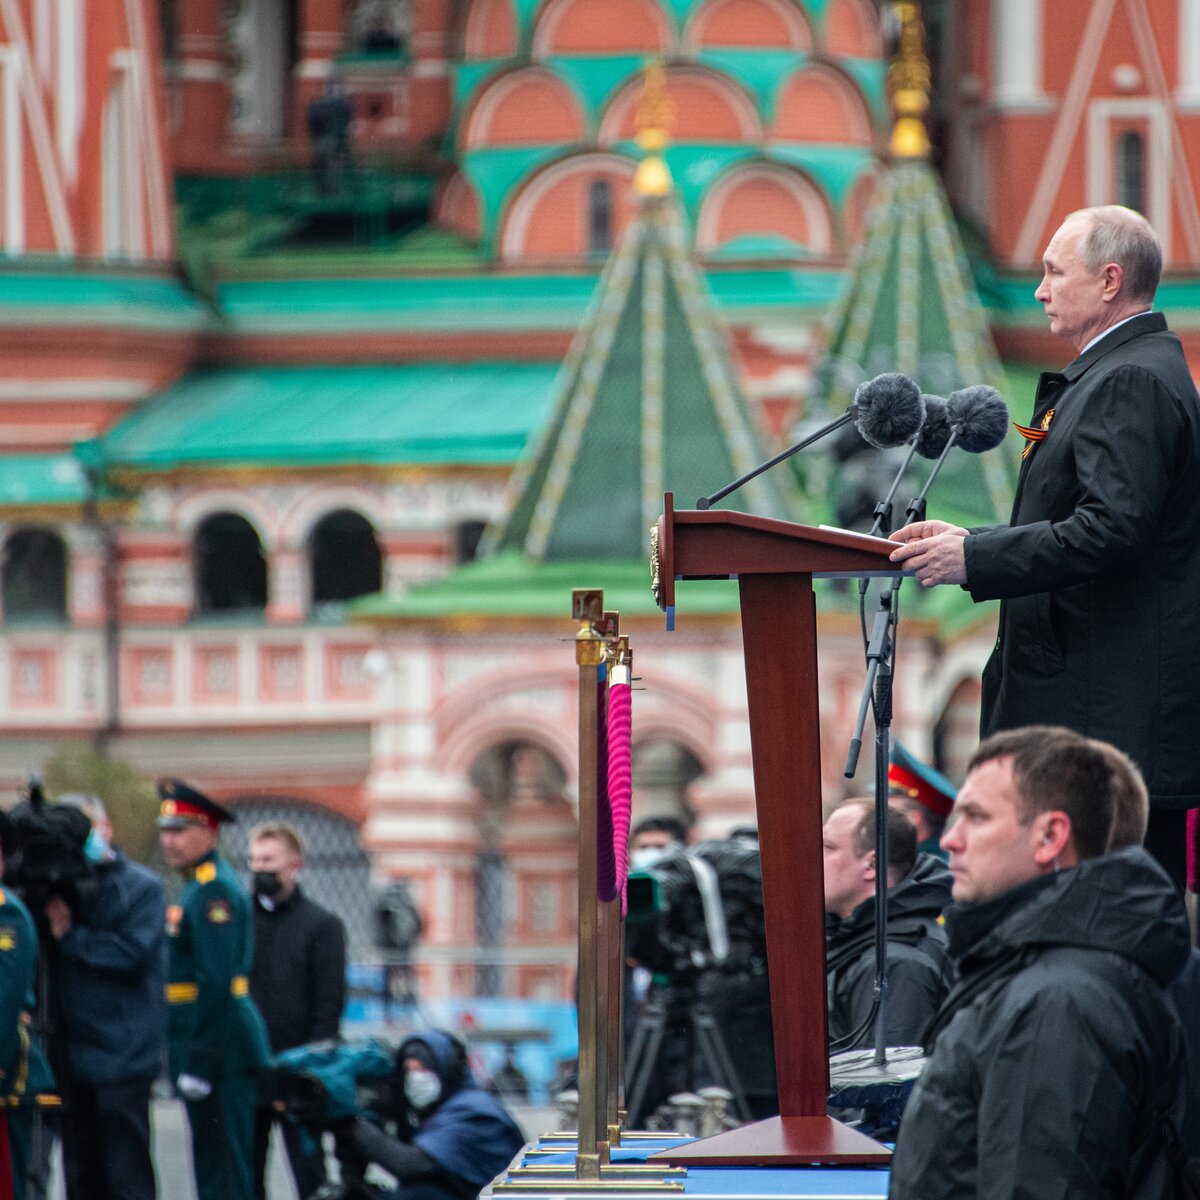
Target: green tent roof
[(36, 480), (451, 414)]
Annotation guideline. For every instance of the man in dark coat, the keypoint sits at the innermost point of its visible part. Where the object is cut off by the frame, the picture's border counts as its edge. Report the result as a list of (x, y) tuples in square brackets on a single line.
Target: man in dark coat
[(1055, 1062), (216, 1040), (452, 1137), (1099, 568), (298, 981), (112, 975), (918, 891)]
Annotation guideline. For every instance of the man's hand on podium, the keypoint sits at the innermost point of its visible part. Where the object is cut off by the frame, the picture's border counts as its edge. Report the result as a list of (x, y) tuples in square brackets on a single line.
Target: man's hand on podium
[(933, 550)]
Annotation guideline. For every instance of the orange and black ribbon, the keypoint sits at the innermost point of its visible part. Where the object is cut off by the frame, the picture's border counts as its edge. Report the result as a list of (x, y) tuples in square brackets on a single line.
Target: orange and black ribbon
[(1034, 434)]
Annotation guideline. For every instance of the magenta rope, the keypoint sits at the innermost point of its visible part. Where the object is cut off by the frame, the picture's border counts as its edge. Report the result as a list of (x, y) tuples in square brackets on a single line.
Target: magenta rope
[(620, 777), (606, 867)]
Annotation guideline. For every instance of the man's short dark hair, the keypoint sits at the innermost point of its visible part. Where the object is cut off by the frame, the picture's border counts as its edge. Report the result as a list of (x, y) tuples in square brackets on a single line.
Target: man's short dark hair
[(1132, 800), (1057, 769), (902, 836), (660, 824)]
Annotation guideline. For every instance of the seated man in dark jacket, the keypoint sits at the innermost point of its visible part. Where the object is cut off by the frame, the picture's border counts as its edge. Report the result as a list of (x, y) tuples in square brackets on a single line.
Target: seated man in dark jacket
[(1055, 1064), (918, 891), (452, 1137)]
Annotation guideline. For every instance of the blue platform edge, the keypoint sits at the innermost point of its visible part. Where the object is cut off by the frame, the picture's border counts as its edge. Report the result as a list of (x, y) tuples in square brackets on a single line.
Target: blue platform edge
[(732, 1183)]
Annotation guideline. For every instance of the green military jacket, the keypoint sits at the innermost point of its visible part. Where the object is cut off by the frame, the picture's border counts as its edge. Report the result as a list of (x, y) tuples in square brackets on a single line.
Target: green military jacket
[(213, 1027), (25, 1076)]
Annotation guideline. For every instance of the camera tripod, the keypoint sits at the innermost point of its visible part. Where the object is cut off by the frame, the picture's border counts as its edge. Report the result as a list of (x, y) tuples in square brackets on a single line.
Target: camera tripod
[(663, 1008)]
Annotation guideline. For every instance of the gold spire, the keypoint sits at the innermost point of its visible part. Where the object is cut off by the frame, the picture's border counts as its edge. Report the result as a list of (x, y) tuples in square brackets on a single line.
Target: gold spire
[(909, 80), (655, 114)]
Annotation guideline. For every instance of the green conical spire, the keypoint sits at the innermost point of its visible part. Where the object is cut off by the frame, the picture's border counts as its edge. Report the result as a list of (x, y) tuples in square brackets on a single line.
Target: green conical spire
[(910, 305), (647, 402)]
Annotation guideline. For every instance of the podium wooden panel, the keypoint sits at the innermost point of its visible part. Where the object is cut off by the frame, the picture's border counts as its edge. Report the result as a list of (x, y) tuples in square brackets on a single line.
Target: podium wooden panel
[(774, 563)]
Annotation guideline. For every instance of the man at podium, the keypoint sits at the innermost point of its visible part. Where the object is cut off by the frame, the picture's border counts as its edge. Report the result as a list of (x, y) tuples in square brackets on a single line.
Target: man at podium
[(1098, 570)]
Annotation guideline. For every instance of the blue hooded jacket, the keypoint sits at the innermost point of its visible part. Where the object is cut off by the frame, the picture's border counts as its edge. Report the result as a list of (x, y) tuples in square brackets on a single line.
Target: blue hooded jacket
[(468, 1132)]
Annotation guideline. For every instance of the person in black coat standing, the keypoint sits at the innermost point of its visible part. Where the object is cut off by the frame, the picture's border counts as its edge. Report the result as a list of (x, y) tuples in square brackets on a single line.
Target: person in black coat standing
[(298, 981), (1055, 1064), (1099, 568)]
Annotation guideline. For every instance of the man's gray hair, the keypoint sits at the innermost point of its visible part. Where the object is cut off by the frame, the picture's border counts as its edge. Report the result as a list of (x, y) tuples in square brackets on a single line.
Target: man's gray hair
[(1122, 236)]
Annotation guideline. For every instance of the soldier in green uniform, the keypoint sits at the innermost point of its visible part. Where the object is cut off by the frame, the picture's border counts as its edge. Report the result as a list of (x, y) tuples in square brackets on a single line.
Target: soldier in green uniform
[(216, 1041), (25, 1080)]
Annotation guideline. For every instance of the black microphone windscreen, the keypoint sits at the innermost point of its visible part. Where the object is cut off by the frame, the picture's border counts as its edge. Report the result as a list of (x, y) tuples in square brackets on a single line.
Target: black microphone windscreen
[(981, 415), (888, 409), (935, 432)]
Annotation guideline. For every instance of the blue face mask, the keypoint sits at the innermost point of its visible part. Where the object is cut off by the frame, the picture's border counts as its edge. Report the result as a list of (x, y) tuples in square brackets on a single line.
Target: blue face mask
[(95, 849)]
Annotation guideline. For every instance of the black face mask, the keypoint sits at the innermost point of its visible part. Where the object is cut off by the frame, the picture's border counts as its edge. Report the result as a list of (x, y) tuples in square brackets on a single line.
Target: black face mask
[(267, 883)]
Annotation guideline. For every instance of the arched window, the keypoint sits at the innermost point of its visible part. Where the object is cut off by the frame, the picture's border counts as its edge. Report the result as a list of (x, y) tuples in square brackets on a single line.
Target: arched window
[(35, 576), (346, 561), (230, 568), (599, 216), (1131, 171)]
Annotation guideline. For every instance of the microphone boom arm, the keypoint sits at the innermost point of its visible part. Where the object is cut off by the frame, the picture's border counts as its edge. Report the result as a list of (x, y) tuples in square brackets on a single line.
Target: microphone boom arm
[(708, 501)]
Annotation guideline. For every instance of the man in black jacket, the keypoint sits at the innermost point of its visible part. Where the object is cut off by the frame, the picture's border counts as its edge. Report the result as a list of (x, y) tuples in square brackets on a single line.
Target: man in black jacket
[(918, 891), (1055, 1062), (112, 974), (298, 982), (1099, 568)]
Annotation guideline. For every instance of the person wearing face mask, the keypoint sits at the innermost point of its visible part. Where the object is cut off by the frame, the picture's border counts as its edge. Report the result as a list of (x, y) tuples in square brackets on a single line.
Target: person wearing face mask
[(112, 987), (298, 981), (451, 1137)]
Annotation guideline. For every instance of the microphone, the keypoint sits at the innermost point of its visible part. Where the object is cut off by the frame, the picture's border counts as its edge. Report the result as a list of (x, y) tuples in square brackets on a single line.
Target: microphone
[(978, 420), (929, 442), (935, 433), (886, 410), (981, 417)]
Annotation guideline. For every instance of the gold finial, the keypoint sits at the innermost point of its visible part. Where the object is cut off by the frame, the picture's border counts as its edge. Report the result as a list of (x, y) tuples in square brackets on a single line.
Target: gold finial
[(909, 80), (655, 115)]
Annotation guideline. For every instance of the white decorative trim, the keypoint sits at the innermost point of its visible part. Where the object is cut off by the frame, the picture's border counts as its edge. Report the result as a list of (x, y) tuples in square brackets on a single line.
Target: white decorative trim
[(547, 26), (1028, 249), (201, 70), (196, 508), (299, 522), (1187, 94), (478, 125), (71, 391), (791, 14), (39, 131), (524, 205), (69, 83), (12, 185), (1017, 63), (806, 194)]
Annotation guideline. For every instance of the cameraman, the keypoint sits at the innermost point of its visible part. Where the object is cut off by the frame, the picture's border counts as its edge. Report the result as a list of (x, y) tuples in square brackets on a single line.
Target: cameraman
[(112, 993)]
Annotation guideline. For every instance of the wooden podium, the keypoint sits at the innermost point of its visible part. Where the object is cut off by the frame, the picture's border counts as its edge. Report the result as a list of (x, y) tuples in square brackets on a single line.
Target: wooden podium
[(774, 563)]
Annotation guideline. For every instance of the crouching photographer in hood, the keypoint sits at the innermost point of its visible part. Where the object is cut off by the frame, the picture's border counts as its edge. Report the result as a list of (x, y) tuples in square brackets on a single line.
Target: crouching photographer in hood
[(451, 1138)]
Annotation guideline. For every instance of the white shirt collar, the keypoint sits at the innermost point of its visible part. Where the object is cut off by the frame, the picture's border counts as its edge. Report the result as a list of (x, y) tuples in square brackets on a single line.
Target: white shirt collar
[(1109, 330)]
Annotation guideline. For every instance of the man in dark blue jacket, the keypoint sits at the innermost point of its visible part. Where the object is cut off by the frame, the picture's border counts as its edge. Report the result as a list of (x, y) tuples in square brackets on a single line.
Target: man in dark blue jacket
[(452, 1137), (113, 995)]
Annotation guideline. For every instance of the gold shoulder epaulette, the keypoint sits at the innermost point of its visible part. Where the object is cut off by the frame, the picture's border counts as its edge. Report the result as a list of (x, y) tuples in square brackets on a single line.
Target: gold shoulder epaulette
[(206, 872)]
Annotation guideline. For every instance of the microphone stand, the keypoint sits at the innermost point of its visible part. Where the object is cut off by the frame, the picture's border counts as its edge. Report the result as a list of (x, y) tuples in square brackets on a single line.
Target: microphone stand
[(877, 692), (708, 501)]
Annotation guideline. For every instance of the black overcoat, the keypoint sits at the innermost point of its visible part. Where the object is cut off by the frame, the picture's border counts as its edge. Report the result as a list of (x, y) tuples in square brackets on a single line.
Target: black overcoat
[(1099, 569)]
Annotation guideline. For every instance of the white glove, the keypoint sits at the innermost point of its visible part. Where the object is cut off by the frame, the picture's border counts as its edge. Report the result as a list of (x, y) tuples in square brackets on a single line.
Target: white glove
[(192, 1087)]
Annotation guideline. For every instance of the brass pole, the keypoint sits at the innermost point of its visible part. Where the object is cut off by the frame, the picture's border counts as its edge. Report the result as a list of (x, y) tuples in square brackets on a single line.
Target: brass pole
[(587, 608)]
